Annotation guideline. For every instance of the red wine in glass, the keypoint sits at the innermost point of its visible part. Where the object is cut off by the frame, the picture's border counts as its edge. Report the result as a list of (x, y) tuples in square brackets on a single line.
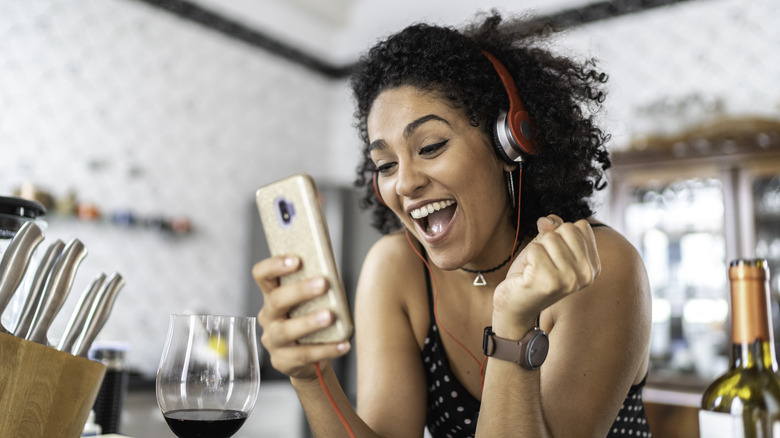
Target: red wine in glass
[(209, 375), (204, 423)]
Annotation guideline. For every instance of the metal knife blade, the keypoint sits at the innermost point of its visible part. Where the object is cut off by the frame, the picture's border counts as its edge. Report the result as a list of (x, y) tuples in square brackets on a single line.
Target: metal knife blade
[(79, 316), (14, 262), (56, 291), (98, 315), (36, 288)]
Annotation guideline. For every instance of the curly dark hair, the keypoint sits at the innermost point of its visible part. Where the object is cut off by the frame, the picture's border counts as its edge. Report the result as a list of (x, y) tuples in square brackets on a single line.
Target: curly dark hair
[(560, 94)]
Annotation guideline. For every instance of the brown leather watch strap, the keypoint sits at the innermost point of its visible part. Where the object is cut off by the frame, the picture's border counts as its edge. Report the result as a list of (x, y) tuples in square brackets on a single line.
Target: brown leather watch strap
[(528, 352)]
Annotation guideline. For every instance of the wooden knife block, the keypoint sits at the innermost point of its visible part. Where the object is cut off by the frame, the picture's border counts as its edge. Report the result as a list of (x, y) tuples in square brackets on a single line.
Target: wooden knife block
[(44, 393)]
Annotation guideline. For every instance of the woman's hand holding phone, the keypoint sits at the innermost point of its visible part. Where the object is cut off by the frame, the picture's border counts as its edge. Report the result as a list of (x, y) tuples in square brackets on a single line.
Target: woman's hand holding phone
[(282, 332)]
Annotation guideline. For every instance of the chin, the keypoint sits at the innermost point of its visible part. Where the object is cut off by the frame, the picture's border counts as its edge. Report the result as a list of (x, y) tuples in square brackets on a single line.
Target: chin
[(444, 259)]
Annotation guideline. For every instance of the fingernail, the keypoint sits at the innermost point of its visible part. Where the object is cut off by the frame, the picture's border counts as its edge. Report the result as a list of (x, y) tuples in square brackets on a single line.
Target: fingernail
[(342, 347), (317, 285), (323, 317), (289, 262)]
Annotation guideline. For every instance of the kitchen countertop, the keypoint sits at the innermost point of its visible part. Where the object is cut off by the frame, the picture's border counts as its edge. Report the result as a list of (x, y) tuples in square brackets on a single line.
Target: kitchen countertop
[(674, 388), (277, 414)]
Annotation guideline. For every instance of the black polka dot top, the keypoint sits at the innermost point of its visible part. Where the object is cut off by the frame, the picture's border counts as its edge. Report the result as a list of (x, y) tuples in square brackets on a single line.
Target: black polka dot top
[(452, 411)]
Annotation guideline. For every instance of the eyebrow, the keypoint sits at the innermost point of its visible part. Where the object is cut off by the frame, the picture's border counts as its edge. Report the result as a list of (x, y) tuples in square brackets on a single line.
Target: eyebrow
[(409, 130)]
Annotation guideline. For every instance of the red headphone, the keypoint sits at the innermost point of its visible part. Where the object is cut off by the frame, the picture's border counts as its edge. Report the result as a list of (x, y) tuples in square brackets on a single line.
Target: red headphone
[(376, 188), (513, 134), (514, 130)]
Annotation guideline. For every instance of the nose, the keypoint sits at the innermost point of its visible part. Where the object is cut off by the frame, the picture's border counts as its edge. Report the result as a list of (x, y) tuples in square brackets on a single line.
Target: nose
[(410, 180)]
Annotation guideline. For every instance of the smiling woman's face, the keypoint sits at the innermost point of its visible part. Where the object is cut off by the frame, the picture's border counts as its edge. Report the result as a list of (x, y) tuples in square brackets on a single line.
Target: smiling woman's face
[(441, 177)]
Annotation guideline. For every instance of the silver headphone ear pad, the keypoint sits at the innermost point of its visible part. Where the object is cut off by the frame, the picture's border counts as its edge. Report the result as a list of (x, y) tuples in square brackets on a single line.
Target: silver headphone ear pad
[(506, 146)]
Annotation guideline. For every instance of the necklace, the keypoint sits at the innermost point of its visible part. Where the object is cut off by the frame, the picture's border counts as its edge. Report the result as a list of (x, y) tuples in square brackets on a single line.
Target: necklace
[(480, 280)]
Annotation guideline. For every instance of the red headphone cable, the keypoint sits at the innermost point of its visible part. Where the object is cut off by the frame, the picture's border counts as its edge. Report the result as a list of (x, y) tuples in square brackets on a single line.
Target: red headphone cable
[(435, 315), (436, 290), (332, 401)]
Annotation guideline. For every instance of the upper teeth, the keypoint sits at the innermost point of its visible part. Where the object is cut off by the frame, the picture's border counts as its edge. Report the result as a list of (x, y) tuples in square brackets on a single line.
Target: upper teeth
[(425, 210)]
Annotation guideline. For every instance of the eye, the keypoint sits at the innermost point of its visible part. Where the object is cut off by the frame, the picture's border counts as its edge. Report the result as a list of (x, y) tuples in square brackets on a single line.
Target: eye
[(432, 148), (384, 168)]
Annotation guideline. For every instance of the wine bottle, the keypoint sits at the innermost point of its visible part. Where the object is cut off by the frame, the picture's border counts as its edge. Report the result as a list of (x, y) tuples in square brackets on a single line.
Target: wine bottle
[(745, 401)]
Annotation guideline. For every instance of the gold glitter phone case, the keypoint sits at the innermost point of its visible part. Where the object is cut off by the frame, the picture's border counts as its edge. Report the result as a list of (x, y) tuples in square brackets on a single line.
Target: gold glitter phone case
[(294, 224)]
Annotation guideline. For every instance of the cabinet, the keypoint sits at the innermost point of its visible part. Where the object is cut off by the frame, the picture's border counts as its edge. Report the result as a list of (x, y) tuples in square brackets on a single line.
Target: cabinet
[(690, 203)]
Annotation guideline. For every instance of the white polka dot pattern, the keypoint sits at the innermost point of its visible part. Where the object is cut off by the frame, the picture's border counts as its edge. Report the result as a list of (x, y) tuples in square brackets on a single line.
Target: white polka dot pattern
[(452, 411)]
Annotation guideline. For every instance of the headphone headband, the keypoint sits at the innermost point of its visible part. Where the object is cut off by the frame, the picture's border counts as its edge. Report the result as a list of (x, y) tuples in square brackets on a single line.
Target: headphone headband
[(513, 129)]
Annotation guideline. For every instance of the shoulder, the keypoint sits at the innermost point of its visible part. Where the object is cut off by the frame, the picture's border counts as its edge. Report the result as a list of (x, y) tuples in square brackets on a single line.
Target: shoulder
[(391, 255), (391, 271), (391, 290), (621, 286), (617, 254)]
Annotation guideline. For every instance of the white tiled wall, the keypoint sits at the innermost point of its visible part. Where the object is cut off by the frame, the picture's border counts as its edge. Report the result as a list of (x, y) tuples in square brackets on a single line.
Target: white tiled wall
[(720, 49), (135, 109)]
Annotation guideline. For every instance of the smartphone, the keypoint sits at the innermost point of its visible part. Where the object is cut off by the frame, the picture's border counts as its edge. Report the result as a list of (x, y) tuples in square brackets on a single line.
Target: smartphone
[(293, 223)]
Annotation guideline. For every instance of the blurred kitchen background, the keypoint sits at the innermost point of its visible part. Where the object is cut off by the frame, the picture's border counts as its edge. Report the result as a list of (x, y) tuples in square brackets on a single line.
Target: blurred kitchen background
[(156, 121)]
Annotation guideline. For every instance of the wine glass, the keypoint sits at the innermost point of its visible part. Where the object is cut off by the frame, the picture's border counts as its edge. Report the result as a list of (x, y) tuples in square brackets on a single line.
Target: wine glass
[(209, 375)]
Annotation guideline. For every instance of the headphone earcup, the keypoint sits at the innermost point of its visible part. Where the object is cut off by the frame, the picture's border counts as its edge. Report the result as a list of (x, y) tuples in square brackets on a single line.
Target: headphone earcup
[(513, 130), (502, 140)]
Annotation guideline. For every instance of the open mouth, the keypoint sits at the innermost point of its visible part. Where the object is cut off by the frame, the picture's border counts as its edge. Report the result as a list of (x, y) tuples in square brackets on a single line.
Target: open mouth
[(433, 218)]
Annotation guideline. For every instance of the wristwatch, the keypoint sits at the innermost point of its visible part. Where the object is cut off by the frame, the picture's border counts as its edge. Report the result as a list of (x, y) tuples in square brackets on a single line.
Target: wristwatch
[(529, 352)]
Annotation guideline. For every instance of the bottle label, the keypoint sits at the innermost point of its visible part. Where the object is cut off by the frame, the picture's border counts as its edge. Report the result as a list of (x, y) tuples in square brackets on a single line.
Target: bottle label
[(719, 425), (723, 425)]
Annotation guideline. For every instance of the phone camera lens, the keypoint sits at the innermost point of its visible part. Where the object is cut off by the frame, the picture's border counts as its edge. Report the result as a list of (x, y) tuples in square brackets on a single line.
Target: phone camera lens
[(285, 212)]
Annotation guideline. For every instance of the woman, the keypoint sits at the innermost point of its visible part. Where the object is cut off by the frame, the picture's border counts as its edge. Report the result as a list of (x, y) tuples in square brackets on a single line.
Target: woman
[(445, 189)]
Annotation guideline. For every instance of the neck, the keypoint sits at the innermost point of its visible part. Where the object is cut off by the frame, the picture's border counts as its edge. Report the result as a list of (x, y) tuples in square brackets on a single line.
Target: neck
[(493, 256), (494, 274)]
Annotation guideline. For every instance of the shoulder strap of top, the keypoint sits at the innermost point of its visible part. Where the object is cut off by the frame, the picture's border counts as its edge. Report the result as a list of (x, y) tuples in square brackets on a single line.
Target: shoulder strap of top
[(428, 288)]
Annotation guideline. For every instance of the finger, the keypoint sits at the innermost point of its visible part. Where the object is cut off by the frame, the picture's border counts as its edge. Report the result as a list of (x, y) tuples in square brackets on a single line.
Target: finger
[(296, 356), (548, 223), (284, 332), (532, 262), (563, 266), (590, 243), (572, 249), (530, 288), (544, 224), (277, 305), (267, 272), (577, 240)]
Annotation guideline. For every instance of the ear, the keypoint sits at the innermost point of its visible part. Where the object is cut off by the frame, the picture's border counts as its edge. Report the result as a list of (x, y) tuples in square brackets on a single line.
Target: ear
[(507, 167)]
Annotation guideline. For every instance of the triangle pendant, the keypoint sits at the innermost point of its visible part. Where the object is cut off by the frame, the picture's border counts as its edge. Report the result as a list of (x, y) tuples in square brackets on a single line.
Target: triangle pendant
[(480, 280)]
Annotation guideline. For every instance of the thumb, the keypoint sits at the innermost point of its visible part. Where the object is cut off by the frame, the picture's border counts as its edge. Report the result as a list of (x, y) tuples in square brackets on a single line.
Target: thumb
[(548, 223)]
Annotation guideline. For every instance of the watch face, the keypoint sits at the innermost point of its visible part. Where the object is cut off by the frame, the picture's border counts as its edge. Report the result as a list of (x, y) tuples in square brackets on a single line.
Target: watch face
[(537, 349)]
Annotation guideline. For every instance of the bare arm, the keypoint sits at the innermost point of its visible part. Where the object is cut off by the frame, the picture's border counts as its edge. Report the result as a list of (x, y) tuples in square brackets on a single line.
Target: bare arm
[(589, 369), (391, 380), (280, 335), (391, 383)]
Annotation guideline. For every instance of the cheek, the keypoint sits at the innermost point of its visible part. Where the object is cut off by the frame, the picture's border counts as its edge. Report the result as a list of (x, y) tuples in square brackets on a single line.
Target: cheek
[(489, 190), (385, 191)]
